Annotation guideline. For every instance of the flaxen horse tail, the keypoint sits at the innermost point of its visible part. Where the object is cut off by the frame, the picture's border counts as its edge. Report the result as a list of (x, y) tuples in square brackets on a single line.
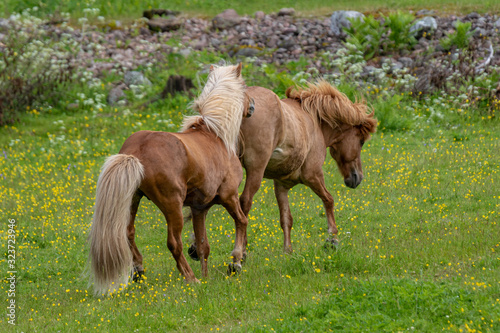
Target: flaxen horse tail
[(110, 256)]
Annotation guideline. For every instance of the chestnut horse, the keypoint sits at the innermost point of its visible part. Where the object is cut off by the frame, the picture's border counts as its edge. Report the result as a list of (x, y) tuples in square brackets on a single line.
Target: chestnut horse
[(287, 139), (197, 168)]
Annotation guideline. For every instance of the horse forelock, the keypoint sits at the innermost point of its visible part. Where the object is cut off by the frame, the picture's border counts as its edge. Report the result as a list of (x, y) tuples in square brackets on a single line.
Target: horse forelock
[(221, 105), (325, 103)]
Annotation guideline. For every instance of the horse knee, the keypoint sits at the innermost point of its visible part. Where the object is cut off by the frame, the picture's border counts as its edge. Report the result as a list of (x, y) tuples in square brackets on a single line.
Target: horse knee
[(246, 204), (174, 247), (328, 202)]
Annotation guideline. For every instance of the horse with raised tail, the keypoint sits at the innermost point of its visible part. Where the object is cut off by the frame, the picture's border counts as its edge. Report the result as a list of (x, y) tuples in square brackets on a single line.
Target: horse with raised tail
[(197, 168)]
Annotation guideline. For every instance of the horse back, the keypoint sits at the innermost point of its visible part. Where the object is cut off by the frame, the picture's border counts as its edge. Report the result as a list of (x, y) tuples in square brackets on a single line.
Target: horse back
[(180, 162)]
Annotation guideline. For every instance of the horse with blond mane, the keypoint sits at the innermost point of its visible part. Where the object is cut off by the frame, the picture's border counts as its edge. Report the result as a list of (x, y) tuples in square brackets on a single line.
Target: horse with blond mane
[(197, 167), (287, 139)]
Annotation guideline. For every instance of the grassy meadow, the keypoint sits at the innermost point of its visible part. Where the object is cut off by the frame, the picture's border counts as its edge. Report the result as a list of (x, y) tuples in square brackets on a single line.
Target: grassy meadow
[(119, 9), (420, 237)]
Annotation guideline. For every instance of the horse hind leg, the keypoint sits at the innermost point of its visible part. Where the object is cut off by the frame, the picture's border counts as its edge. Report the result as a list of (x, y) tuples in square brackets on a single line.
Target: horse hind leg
[(252, 184), (232, 205), (286, 219), (201, 248), (172, 209), (136, 255)]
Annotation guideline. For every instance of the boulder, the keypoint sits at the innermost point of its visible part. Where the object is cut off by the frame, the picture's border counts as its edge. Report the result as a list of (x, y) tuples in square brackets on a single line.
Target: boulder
[(136, 78), (497, 24), (340, 20), (225, 20), (159, 24), (286, 12), (260, 15), (426, 25), (116, 95)]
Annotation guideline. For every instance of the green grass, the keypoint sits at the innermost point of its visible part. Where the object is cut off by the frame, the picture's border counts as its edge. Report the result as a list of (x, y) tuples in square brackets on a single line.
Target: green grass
[(420, 236), (133, 9)]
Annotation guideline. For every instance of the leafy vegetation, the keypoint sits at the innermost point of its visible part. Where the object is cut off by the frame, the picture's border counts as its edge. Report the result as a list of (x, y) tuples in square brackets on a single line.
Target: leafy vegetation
[(400, 37), (365, 35), (382, 36), (460, 38)]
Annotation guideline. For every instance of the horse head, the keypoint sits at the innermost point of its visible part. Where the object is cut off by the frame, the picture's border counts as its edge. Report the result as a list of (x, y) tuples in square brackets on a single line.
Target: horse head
[(345, 149)]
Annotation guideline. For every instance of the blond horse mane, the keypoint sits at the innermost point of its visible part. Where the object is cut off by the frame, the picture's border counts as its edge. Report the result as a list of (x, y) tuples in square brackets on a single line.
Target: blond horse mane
[(221, 105), (325, 103)]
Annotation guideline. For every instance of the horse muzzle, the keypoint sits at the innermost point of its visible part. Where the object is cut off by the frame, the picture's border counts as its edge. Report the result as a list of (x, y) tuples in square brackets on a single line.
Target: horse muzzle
[(353, 180)]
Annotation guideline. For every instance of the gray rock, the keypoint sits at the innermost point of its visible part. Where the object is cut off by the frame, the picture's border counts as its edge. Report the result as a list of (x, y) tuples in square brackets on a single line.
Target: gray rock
[(497, 24), (4, 25), (286, 12), (164, 25), (116, 95), (472, 16), (287, 43), (185, 52), (340, 20), (425, 12), (225, 20), (215, 42), (272, 42), (396, 65), (480, 32), (368, 71), (136, 78), (260, 15), (247, 52), (427, 24), (407, 62)]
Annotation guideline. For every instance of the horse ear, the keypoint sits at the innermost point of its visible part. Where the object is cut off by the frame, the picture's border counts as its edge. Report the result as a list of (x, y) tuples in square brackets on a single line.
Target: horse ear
[(211, 68), (238, 70)]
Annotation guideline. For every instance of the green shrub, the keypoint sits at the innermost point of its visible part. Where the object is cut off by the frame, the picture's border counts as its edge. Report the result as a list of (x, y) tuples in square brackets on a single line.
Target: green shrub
[(366, 35), (399, 26), (460, 38)]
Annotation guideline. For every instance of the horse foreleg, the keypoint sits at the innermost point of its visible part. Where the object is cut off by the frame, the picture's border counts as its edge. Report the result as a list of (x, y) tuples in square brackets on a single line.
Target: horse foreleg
[(286, 219), (317, 184), (175, 222), (252, 185), (233, 207), (136, 255), (201, 240)]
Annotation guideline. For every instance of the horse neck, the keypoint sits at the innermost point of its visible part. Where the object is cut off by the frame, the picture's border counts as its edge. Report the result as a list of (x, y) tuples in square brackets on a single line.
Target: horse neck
[(330, 135)]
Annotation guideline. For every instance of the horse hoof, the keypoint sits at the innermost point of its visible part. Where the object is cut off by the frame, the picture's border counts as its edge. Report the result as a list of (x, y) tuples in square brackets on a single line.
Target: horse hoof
[(332, 243), (193, 253), (233, 268), (137, 275)]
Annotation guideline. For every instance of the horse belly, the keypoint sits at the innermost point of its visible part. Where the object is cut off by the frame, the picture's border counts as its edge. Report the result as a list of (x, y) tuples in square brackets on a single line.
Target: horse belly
[(284, 164)]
